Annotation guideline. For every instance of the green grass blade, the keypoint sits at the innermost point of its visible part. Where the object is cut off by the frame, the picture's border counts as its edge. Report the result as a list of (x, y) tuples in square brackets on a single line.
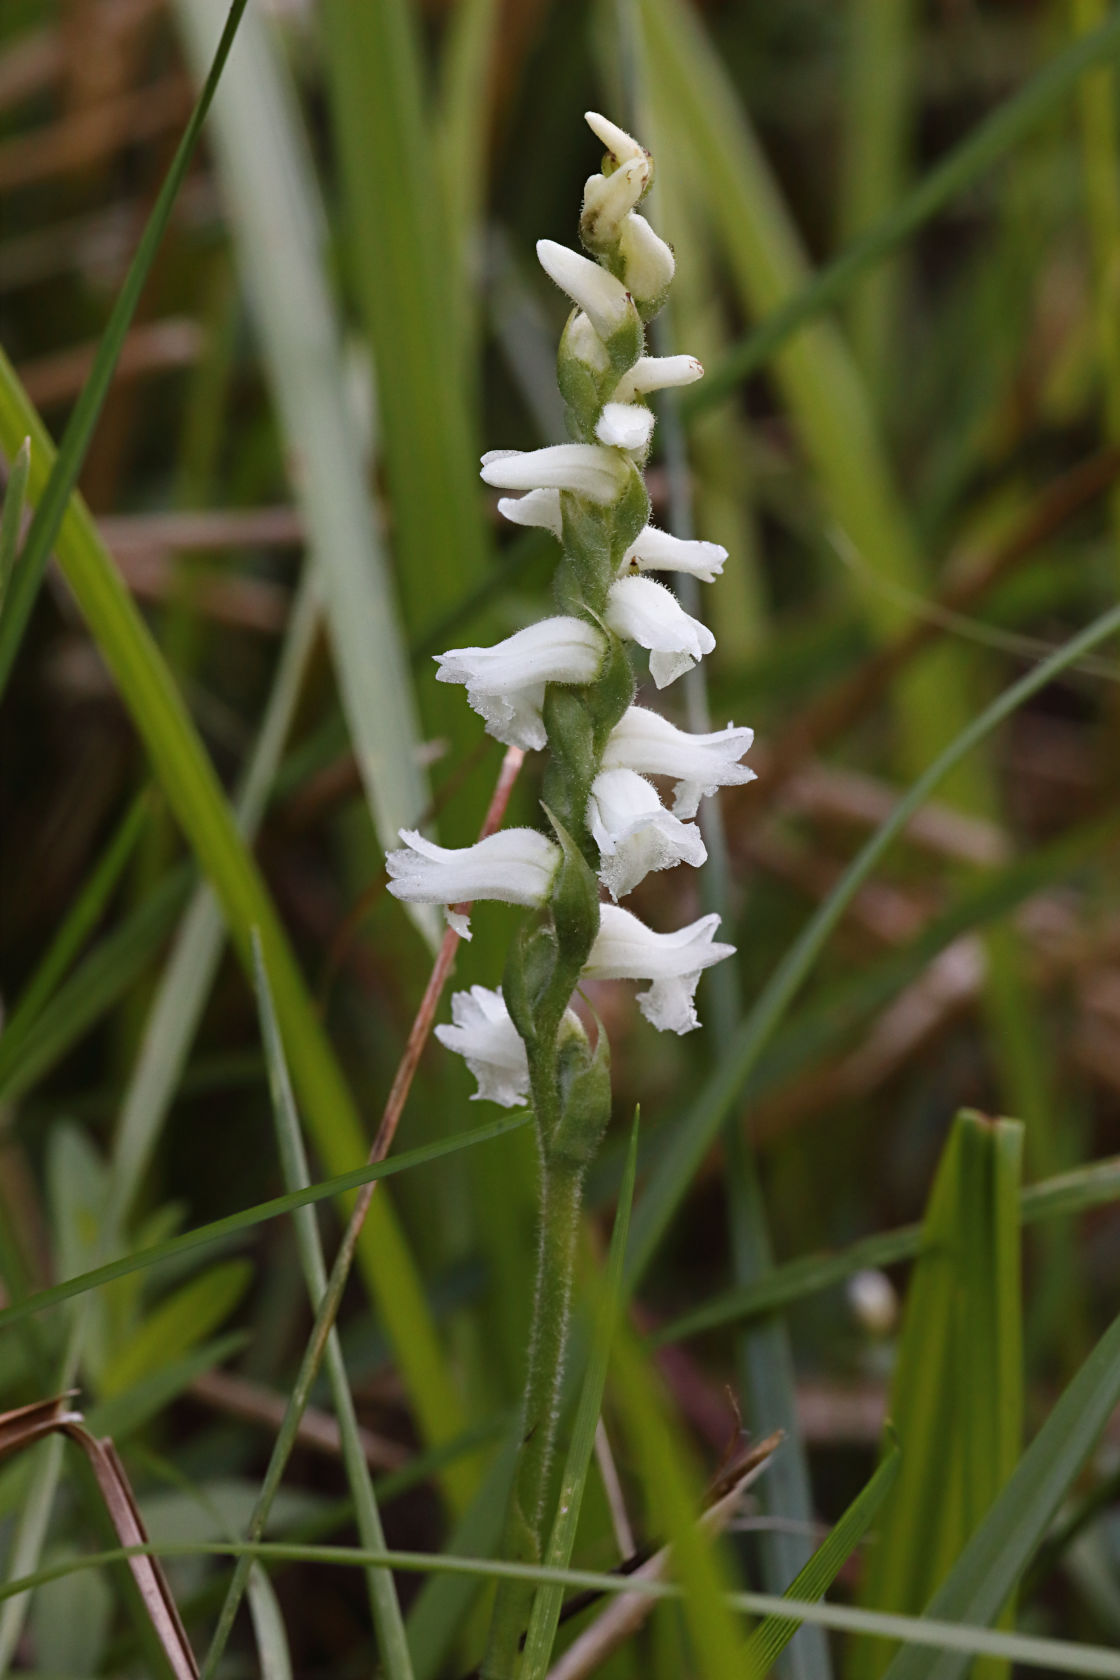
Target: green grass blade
[(11, 518), (771, 1637), (276, 221), (1061, 1197), (956, 1394), (403, 268), (268, 1628), (81, 918), (99, 981), (987, 1571), (1052, 1656), (990, 141), (671, 1177), (196, 799), (391, 1641), (220, 1230), (547, 1605), (53, 500)]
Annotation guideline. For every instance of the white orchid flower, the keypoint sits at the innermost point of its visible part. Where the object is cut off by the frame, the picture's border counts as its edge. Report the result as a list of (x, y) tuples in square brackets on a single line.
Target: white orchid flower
[(625, 426), (483, 1034), (514, 866), (648, 263), (603, 299), (649, 614), (634, 832), (625, 949), (644, 741), (579, 339), (657, 373), (657, 551), (506, 683), (537, 507), (585, 468)]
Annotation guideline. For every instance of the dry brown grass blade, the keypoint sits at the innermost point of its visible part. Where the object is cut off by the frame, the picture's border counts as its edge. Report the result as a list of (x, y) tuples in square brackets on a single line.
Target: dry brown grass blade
[(95, 134), (235, 1396), (153, 347), (26, 1425)]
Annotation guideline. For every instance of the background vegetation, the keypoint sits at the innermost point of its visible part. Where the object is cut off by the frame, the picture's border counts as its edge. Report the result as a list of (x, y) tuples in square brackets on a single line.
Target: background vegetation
[(898, 241)]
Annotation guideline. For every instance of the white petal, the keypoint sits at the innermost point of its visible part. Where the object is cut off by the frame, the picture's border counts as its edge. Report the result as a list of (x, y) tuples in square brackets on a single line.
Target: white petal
[(625, 949), (634, 832), (657, 373), (625, 426), (506, 683), (483, 1034), (656, 551), (648, 262), (514, 866), (591, 288), (586, 468), (607, 199), (644, 741), (621, 145), (651, 615), (536, 507)]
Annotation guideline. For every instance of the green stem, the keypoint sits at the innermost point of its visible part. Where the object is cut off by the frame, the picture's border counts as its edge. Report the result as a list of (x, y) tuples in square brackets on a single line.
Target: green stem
[(561, 1199)]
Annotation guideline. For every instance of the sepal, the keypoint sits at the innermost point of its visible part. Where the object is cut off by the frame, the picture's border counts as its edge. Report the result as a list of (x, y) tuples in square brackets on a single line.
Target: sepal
[(585, 1094)]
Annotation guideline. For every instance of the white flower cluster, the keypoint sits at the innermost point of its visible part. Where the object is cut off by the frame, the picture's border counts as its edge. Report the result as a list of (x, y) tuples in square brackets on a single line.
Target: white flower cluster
[(506, 684)]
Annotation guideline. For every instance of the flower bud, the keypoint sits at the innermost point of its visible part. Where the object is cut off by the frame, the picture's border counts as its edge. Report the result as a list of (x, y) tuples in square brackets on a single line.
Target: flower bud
[(603, 299), (656, 551), (646, 263), (657, 373), (625, 426), (608, 199)]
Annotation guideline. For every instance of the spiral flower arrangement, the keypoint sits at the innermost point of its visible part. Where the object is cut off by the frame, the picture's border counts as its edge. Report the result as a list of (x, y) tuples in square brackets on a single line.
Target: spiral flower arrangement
[(566, 686)]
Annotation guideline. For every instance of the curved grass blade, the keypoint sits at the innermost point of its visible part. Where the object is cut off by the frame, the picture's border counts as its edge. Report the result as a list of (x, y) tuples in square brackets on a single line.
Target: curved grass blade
[(197, 801), (1052, 1656), (52, 502), (391, 1641), (277, 224), (771, 1637), (545, 1618), (81, 918), (221, 1229), (992, 139), (671, 1177)]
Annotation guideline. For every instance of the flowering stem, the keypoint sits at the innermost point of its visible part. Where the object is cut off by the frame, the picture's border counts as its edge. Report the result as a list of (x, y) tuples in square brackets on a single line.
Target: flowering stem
[(561, 1198)]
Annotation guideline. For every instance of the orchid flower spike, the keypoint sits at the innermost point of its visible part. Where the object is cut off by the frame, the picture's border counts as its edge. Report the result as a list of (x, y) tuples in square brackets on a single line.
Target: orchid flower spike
[(506, 683), (648, 743), (515, 866), (625, 949)]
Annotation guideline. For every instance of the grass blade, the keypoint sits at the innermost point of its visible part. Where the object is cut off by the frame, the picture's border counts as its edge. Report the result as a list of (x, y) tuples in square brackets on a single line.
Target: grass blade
[(392, 1644), (771, 1637), (545, 1617), (276, 221), (985, 1575), (12, 516), (196, 799), (54, 498), (994, 138), (219, 1230), (697, 1131), (956, 1397)]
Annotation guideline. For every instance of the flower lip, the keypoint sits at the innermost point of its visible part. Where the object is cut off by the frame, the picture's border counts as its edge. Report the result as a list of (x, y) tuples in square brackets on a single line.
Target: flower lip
[(483, 1034), (626, 949), (585, 468), (625, 426), (645, 741), (514, 866), (651, 615), (506, 683), (634, 832), (539, 508)]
